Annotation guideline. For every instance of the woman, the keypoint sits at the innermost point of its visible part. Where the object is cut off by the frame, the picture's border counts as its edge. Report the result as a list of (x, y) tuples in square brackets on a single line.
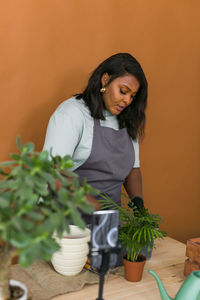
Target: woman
[(100, 127)]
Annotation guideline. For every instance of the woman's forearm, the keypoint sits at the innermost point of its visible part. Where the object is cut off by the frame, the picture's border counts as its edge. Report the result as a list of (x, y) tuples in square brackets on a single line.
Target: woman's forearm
[(133, 183)]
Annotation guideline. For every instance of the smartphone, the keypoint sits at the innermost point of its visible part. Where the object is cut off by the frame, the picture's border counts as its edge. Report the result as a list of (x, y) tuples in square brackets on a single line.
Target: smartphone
[(104, 237)]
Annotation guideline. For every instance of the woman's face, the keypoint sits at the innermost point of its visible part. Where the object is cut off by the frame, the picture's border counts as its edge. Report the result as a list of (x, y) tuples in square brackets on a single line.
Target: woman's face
[(120, 92)]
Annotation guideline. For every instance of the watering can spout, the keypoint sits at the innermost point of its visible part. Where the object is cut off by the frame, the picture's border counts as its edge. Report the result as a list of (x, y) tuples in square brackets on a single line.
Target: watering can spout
[(163, 293), (190, 289)]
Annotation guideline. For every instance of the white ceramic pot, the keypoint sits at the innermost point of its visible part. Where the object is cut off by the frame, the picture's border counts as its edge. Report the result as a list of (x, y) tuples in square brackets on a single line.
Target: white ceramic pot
[(72, 256), (22, 286)]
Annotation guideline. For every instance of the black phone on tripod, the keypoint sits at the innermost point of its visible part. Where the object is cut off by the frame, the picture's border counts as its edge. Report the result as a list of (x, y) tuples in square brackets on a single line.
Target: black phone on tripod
[(104, 244)]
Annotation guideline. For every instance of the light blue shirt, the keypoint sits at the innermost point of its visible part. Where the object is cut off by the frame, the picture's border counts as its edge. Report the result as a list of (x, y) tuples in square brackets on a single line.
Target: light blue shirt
[(70, 131)]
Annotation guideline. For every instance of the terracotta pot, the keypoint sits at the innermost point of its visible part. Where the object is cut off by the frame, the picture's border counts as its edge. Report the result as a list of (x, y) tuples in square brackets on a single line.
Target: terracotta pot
[(134, 270)]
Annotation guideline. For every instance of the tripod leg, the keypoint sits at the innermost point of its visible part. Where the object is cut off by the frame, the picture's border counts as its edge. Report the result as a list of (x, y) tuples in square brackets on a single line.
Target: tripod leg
[(101, 282)]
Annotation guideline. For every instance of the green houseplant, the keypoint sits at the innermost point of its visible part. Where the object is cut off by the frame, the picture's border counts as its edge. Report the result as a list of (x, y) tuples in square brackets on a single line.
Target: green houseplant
[(139, 228), (32, 207)]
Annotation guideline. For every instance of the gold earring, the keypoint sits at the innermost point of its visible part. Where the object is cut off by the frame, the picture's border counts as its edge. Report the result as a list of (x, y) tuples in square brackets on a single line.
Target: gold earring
[(102, 90)]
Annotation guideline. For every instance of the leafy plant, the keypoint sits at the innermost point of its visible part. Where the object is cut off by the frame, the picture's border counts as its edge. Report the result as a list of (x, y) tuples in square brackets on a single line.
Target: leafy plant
[(139, 228), (32, 207)]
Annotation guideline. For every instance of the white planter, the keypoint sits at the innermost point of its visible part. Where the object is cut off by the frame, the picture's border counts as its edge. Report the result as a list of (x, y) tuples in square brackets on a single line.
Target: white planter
[(22, 286), (72, 256)]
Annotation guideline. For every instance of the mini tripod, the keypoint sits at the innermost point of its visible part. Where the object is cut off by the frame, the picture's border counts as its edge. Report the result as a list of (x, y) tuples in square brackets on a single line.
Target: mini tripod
[(104, 246)]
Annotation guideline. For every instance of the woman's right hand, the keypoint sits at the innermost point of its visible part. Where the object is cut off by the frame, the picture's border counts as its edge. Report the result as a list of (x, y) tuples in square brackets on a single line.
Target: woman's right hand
[(92, 200)]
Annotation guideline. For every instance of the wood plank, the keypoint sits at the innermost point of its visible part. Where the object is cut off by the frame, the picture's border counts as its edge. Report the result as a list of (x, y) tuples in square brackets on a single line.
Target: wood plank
[(167, 261)]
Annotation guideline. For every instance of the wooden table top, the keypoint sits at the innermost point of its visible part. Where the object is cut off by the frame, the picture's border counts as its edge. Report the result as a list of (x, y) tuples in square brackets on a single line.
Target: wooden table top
[(167, 261)]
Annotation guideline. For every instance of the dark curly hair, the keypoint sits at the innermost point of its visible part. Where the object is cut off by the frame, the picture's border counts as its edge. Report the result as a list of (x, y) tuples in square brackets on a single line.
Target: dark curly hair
[(133, 116)]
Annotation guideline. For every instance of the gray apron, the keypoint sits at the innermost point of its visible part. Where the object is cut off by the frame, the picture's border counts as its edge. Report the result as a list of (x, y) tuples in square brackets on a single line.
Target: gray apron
[(111, 160)]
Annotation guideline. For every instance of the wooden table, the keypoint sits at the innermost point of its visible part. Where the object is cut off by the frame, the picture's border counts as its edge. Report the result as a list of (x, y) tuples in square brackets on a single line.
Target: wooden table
[(167, 261)]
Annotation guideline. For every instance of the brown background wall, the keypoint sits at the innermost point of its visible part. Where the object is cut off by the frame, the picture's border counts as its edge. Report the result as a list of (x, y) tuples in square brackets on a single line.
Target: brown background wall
[(48, 49)]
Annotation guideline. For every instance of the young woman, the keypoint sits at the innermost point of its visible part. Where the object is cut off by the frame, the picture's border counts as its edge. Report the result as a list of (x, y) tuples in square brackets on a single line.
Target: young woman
[(100, 128)]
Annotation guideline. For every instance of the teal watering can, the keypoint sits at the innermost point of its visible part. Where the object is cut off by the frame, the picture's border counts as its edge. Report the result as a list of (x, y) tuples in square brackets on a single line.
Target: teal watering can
[(190, 289)]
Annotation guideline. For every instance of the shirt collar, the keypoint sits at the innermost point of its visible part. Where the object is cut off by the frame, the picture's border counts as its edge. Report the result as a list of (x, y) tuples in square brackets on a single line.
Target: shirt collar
[(107, 113)]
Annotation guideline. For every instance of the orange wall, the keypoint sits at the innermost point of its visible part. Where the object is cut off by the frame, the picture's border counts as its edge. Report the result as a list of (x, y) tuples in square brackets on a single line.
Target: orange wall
[(48, 49)]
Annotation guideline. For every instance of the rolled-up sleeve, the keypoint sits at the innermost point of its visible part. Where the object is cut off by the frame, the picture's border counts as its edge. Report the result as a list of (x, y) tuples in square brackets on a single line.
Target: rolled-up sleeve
[(137, 158)]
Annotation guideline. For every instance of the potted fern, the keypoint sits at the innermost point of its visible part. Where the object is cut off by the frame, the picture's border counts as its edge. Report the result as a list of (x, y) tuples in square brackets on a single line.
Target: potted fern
[(139, 228), (33, 208)]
